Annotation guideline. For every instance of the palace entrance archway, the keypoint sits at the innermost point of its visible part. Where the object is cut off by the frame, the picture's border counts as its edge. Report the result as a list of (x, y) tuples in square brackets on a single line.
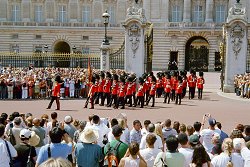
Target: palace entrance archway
[(62, 48), (196, 54)]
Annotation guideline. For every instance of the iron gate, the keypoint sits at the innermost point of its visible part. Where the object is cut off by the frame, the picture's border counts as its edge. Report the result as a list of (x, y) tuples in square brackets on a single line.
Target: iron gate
[(116, 59)]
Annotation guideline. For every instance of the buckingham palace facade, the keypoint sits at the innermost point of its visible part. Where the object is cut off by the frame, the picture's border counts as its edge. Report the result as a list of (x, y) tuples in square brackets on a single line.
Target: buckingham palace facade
[(185, 31)]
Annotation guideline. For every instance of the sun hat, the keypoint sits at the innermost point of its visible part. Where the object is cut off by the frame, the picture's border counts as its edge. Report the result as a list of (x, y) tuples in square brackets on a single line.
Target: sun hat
[(89, 135), (35, 139)]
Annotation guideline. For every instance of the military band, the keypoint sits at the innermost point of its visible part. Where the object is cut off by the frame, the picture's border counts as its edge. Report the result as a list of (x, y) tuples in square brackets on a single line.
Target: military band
[(126, 90)]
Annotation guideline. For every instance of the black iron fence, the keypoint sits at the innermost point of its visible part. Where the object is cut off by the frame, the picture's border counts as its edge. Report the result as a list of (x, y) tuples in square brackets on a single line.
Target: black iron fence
[(71, 60), (116, 59)]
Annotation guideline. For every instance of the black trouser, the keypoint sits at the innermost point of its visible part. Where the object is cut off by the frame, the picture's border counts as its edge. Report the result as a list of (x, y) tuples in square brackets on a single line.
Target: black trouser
[(147, 95), (153, 98), (200, 93), (53, 98), (159, 92), (139, 101), (120, 100), (191, 92), (184, 91), (167, 97), (134, 97), (113, 97), (106, 95), (172, 94), (129, 98), (178, 98), (98, 96)]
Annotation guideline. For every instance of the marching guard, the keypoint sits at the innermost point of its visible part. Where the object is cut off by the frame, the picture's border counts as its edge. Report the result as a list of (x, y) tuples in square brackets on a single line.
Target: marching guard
[(167, 88), (200, 82), (178, 91), (191, 84), (140, 94), (92, 93), (114, 90), (106, 89), (152, 91), (121, 94)]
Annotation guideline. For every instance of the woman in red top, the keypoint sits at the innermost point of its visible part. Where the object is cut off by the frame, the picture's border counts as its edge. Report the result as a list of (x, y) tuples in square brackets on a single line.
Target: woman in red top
[(200, 82), (56, 93)]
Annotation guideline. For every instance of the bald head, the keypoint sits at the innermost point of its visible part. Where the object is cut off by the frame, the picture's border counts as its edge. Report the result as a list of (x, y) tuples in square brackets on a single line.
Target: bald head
[(151, 128), (36, 122)]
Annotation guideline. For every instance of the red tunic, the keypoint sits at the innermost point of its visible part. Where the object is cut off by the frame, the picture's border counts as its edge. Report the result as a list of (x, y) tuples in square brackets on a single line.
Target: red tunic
[(56, 90), (107, 86), (167, 87), (178, 88), (129, 89), (191, 81), (121, 91), (140, 91), (159, 83), (174, 83), (200, 82), (100, 85), (114, 88), (152, 89), (184, 83)]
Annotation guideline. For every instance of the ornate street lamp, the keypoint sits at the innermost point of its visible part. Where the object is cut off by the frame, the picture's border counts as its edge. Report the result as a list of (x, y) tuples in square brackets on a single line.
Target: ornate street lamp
[(74, 49), (46, 48), (106, 17)]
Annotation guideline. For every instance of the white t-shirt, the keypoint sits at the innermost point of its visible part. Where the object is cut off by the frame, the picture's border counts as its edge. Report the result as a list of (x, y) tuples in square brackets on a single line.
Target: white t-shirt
[(102, 130), (207, 135), (144, 131), (149, 155), (4, 156), (223, 159), (158, 143), (188, 154)]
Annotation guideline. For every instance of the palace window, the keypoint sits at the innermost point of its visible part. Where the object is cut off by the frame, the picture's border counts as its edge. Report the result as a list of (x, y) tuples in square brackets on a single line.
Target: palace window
[(38, 13), (111, 11), (198, 14), (85, 50), (86, 13), (62, 14), (176, 14), (220, 14), (16, 13), (15, 48)]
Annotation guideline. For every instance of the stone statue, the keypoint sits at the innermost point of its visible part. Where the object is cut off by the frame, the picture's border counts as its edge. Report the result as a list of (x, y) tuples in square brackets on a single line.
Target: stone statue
[(238, 1), (136, 1)]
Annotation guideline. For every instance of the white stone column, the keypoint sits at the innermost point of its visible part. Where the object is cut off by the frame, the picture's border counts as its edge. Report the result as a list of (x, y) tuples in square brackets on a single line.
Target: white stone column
[(164, 11), (187, 11), (146, 6), (105, 48), (209, 10)]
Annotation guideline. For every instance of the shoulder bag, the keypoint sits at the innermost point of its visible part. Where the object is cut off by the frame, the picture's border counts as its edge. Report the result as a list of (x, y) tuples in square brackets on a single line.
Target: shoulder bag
[(30, 162), (11, 163)]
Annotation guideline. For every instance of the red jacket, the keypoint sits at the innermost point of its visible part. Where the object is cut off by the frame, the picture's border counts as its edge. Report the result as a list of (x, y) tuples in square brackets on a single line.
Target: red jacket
[(174, 83), (152, 89), (107, 86), (140, 91), (200, 82), (114, 87), (159, 83), (100, 85), (178, 89), (129, 89), (56, 90), (191, 81), (121, 90), (167, 86)]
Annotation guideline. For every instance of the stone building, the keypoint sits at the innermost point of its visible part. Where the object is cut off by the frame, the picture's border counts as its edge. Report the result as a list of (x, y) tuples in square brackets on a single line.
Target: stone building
[(185, 31)]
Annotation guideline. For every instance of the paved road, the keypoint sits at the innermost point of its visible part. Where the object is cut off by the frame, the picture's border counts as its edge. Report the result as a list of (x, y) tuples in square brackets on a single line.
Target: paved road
[(228, 109)]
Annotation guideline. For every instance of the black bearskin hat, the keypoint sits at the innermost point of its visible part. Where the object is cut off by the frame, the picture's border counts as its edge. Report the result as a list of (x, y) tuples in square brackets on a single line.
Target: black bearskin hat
[(130, 79), (153, 79), (122, 79), (93, 79), (58, 78), (201, 74), (97, 76), (179, 78), (115, 77), (102, 74), (141, 80), (108, 75)]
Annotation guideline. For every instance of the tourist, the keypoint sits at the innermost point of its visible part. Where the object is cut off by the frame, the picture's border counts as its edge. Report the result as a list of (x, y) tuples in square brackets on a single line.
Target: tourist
[(200, 157)]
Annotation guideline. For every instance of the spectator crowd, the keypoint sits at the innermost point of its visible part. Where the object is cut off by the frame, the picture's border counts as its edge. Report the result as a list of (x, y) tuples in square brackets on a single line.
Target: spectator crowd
[(242, 85), (47, 141)]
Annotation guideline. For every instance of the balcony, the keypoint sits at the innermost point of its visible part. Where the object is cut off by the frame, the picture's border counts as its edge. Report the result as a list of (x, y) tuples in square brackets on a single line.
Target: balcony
[(193, 25), (53, 24)]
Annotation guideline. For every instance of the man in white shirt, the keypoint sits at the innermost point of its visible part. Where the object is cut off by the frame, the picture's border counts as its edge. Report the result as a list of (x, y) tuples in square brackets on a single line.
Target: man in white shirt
[(4, 155), (144, 130), (158, 143), (185, 148), (101, 128), (149, 154)]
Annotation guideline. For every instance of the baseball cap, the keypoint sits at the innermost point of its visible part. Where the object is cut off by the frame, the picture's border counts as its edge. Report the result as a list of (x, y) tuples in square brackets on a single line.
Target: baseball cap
[(117, 130), (237, 143), (194, 139), (212, 121), (67, 119), (25, 133)]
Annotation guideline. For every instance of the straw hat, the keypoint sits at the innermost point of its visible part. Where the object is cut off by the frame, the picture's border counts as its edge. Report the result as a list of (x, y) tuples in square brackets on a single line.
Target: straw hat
[(89, 135), (35, 139)]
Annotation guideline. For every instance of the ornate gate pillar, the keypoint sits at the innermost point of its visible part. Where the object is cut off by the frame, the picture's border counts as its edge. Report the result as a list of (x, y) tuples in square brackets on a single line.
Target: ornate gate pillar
[(236, 45), (135, 25), (105, 49)]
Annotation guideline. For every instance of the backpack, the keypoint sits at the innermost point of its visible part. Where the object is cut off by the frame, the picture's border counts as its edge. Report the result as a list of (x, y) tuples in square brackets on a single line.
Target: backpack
[(11, 136), (111, 159)]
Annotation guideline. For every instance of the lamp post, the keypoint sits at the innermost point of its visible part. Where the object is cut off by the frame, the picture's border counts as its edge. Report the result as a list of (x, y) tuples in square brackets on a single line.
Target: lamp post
[(106, 17), (46, 48)]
